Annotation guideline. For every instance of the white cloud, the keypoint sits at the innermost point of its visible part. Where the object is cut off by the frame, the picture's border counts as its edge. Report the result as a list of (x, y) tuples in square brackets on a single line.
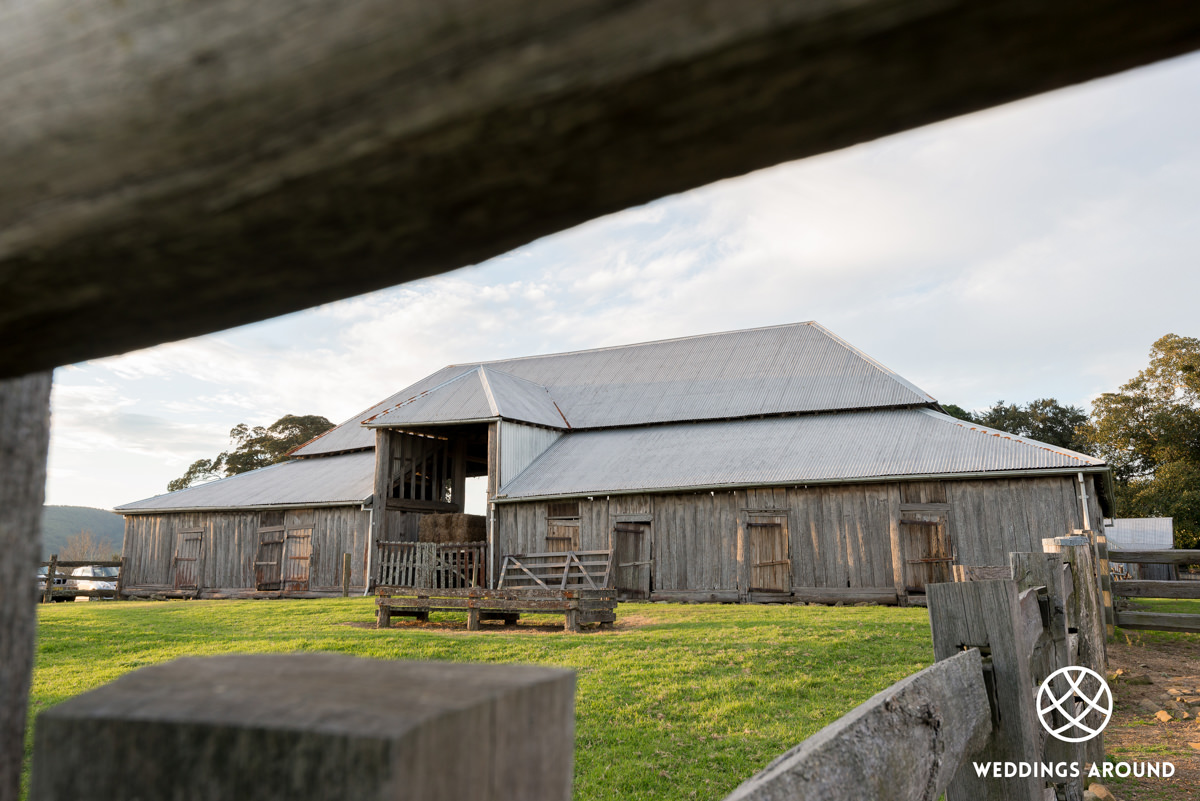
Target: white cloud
[(1031, 250)]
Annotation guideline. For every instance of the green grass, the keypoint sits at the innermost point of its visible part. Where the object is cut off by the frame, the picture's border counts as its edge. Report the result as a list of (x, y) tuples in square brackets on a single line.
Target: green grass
[(1180, 606), (686, 706)]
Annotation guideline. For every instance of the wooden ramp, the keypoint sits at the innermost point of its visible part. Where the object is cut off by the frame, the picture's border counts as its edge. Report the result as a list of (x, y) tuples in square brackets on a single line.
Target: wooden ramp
[(574, 583)]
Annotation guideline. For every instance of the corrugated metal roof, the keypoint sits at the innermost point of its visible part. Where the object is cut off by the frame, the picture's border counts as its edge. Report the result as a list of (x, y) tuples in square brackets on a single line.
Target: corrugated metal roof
[(1141, 533), (781, 450), (348, 478), (778, 370), (481, 393)]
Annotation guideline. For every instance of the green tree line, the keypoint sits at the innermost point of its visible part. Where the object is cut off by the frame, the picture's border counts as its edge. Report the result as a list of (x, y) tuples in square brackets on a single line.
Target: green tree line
[(1148, 431), (254, 448)]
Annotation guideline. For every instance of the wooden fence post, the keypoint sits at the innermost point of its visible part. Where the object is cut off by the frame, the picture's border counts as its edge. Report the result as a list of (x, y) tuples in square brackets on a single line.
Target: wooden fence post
[(1044, 570), (1084, 614), (24, 438), (48, 591), (1103, 576), (276, 727), (345, 575), (986, 615)]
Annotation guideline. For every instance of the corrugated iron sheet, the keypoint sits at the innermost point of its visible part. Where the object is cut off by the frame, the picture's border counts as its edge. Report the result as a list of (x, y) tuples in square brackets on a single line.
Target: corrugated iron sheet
[(520, 445), (346, 478), (778, 370), (462, 398), (1141, 533), (781, 450)]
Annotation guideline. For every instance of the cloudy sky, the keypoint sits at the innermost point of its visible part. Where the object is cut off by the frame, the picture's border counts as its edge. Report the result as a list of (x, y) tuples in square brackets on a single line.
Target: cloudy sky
[(1032, 250)]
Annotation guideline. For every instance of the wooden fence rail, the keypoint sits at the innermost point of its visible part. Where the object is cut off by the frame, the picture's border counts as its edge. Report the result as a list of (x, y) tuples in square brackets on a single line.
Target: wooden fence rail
[(1157, 621), (433, 565), (54, 569)]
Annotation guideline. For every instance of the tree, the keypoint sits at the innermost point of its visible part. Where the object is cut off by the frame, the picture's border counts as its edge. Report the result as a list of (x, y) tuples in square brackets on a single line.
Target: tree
[(254, 448), (1044, 419), (1149, 432), (85, 547)]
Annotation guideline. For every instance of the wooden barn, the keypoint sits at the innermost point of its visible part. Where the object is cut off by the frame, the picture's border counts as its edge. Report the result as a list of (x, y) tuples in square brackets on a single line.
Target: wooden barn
[(768, 464)]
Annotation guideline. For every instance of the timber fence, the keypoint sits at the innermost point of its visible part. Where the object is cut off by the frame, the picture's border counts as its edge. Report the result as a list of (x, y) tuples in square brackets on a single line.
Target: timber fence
[(432, 565), (49, 591), (995, 641), (1135, 588)]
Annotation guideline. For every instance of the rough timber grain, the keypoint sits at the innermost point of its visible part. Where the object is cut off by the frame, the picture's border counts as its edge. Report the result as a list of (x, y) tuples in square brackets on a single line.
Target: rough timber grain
[(24, 438), (231, 727), (903, 744), (986, 615)]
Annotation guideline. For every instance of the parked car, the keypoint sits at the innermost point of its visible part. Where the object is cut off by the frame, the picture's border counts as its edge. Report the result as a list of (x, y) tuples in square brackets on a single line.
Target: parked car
[(93, 577), (60, 583)]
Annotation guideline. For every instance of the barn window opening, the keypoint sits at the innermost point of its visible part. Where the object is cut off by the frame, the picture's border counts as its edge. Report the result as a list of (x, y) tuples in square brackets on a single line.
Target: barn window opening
[(562, 526)]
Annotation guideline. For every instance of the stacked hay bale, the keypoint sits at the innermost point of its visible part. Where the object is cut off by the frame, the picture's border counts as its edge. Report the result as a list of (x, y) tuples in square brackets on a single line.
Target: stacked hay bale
[(452, 528)]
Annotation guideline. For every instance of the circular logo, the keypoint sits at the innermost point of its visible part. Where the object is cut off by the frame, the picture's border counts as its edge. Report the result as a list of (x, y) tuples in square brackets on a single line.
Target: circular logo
[(1074, 704)]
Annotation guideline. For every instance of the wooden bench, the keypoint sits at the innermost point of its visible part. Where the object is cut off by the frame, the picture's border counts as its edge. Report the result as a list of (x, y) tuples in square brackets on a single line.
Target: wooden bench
[(574, 583)]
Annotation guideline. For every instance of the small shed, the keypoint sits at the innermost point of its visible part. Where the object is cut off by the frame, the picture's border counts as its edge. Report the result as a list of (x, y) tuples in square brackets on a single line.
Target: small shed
[(1142, 534)]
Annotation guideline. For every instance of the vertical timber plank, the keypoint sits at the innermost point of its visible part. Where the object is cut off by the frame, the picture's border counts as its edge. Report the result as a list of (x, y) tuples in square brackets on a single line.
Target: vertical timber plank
[(986, 615), (1087, 613), (24, 439)]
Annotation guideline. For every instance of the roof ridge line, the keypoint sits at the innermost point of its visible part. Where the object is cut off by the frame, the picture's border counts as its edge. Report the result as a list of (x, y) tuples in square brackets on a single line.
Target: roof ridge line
[(641, 344)]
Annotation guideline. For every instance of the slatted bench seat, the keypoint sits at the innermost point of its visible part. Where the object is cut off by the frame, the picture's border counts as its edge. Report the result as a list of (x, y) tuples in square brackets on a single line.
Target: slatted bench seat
[(574, 583)]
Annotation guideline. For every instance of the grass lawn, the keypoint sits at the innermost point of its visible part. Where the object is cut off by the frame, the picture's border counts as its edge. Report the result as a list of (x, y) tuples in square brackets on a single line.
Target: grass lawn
[(1185, 606), (680, 702)]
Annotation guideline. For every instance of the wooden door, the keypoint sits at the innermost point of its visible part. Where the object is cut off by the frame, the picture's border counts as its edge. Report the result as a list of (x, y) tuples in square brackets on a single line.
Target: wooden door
[(928, 552), (268, 562), (297, 559), (632, 561), (562, 535), (770, 565), (189, 544)]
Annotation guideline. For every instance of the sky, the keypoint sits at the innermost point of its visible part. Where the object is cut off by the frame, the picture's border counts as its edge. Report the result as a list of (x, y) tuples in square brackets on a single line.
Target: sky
[(1033, 250)]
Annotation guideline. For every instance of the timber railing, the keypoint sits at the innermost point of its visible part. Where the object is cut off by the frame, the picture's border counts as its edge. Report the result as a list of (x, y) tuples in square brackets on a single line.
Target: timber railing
[(557, 570), (1135, 588), (442, 566), (55, 569)]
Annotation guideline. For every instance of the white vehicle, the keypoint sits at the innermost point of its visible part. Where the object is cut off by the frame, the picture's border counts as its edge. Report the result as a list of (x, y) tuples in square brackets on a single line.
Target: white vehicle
[(92, 577)]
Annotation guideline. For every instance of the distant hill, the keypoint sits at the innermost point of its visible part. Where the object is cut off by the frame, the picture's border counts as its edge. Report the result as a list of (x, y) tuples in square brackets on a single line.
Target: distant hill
[(60, 523)]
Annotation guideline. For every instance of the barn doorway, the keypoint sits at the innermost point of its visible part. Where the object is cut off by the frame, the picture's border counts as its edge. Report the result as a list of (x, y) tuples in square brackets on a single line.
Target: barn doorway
[(268, 561), (632, 562), (189, 546), (297, 559), (928, 551), (765, 551)]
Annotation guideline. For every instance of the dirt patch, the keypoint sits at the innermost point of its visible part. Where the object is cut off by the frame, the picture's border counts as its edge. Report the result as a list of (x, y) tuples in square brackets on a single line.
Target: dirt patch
[(1150, 667), (537, 625)]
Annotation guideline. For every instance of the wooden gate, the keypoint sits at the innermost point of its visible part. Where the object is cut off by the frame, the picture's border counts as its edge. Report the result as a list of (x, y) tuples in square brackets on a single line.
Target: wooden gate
[(928, 552), (268, 562), (297, 559), (189, 544), (632, 561), (765, 549)]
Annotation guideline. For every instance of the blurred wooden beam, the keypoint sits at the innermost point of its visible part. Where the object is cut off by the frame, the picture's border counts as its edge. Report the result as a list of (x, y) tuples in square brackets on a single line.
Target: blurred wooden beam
[(173, 168)]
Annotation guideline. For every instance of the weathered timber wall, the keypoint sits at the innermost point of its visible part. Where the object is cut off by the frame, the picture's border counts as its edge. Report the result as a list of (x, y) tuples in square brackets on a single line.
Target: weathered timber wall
[(838, 536), (231, 540)]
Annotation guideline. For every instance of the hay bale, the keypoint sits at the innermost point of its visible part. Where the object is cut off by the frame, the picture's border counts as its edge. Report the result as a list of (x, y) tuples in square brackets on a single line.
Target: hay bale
[(452, 528)]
